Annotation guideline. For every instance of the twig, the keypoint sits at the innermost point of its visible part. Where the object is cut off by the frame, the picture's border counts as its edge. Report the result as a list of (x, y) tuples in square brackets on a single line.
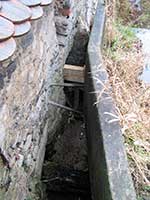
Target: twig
[(133, 156)]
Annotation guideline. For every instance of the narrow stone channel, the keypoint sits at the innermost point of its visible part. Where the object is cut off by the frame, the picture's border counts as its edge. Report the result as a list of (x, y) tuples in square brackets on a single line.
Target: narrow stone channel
[(65, 170)]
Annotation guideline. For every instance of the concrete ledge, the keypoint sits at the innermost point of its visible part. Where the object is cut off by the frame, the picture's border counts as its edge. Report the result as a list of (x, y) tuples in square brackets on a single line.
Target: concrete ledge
[(108, 166)]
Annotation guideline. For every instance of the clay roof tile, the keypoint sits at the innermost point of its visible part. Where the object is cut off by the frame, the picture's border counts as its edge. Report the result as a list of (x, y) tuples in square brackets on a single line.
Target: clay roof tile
[(31, 2), (15, 17)]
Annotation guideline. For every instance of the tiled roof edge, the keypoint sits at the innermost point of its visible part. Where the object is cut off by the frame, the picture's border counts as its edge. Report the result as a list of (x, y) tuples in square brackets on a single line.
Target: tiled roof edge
[(15, 17)]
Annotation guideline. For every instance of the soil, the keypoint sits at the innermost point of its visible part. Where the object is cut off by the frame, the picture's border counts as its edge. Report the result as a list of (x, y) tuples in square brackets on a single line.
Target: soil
[(65, 160), (70, 148)]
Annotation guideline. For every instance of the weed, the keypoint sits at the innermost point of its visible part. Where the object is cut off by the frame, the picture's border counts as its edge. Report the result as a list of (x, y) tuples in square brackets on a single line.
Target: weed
[(143, 20), (124, 60)]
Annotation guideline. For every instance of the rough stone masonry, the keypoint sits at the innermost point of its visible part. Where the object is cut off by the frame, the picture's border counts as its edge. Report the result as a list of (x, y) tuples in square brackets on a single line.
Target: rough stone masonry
[(27, 118)]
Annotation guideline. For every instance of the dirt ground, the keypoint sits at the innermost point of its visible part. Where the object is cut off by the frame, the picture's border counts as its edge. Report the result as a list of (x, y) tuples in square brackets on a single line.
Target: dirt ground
[(67, 155), (70, 148)]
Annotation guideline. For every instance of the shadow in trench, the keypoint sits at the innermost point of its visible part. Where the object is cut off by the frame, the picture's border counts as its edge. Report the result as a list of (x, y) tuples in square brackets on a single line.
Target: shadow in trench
[(65, 169)]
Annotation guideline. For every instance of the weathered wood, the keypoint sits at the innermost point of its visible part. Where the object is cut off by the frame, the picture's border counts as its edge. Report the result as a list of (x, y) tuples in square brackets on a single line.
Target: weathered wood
[(15, 11), (6, 28), (74, 73)]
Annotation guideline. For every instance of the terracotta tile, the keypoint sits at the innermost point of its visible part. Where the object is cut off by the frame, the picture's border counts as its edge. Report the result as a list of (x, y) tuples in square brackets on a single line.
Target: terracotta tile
[(7, 48)]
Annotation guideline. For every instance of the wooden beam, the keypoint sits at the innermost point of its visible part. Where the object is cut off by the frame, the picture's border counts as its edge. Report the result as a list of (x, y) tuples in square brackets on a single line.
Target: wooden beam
[(74, 73)]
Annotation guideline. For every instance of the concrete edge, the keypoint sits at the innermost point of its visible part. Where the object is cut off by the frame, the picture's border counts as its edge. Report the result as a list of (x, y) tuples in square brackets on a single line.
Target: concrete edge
[(108, 166)]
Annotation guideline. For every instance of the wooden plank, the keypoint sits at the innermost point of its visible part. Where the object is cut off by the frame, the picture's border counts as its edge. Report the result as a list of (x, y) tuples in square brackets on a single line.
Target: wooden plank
[(74, 73)]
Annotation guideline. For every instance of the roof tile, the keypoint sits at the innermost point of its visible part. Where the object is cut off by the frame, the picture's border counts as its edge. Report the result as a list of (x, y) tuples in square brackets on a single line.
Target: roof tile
[(7, 48), (15, 16), (22, 28), (15, 11), (7, 28), (37, 12), (31, 2)]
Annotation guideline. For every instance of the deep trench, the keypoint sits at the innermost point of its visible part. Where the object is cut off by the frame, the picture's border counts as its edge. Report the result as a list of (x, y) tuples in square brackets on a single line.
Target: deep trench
[(65, 169)]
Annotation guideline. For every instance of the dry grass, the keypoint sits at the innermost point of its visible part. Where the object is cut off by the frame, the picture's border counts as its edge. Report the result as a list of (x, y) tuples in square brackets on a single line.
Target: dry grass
[(124, 61), (143, 19), (131, 15)]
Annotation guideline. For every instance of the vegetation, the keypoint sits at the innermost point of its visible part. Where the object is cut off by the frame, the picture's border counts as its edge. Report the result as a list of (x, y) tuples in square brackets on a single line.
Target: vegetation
[(134, 16), (142, 18), (124, 61)]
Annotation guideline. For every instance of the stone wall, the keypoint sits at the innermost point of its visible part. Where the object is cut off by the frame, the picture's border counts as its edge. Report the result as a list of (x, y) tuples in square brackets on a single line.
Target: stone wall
[(24, 109), (27, 118), (77, 55)]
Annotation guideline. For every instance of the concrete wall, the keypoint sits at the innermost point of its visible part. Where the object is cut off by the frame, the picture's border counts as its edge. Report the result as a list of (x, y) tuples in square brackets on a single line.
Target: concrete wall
[(109, 173)]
